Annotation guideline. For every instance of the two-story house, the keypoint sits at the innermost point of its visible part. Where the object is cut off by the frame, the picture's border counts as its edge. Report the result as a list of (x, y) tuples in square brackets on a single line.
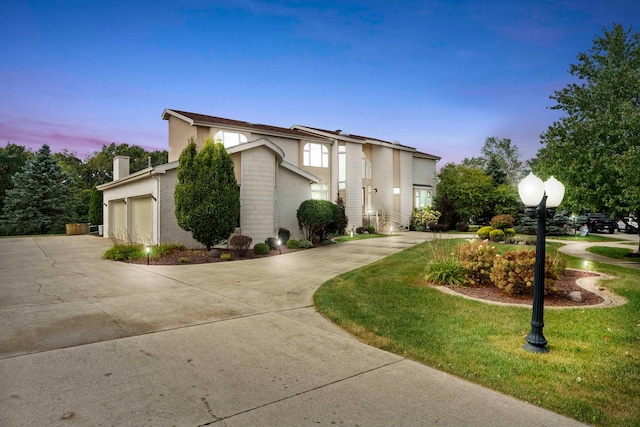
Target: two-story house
[(277, 169)]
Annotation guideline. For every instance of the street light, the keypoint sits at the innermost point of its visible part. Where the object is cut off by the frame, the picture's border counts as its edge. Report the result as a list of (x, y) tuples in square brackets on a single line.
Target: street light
[(540, 199)]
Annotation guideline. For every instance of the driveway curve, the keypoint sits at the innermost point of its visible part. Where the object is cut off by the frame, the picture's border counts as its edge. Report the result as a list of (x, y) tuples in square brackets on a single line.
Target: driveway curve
[(90, 342)]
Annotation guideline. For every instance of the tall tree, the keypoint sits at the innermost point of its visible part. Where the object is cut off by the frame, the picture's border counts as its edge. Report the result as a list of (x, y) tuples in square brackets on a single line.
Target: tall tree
[(207, 196), (38, 202), (594, 149), (99, 167), (505, 154), (469, 189), (12, 159)]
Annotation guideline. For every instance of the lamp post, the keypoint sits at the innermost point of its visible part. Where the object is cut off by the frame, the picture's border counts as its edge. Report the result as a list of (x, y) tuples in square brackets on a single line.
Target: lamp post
[(540, 199), (279, 246), (148, 252), (369, 217)]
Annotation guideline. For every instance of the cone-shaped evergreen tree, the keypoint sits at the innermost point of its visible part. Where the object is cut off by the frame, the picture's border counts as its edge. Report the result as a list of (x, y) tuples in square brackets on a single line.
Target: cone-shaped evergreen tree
[(38, 203), (207, 197)]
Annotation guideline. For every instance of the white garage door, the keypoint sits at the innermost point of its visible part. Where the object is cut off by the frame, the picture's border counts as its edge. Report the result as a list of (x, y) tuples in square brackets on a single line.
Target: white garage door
[(142, 219)]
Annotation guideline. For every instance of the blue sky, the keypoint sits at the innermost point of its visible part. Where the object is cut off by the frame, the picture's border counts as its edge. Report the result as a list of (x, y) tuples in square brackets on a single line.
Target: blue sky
[(440, 76)]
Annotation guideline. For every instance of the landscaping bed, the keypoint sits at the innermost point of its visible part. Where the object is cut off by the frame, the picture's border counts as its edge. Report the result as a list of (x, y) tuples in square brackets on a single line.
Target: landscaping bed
[(202, 256)]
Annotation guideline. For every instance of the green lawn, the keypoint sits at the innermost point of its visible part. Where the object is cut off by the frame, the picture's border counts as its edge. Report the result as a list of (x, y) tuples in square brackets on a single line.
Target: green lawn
[(588, 238), (615, 253), (592, 372)]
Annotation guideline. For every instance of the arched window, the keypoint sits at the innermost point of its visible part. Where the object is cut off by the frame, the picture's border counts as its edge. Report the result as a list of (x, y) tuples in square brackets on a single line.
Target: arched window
[(316, 155), (423, 198), (229, 139)]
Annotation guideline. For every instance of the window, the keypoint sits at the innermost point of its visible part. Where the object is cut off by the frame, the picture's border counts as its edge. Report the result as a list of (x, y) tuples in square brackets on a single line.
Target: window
[(423, 198), (319, 192), (366, 168), (342, 167), (230, 139), (316, 155)]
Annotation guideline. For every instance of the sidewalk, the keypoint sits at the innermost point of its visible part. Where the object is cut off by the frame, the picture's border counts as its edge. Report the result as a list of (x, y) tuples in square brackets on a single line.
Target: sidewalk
[(96, 343)]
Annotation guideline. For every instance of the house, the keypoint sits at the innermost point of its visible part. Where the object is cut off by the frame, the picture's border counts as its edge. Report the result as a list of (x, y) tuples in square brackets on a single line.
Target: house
[(277, 168)]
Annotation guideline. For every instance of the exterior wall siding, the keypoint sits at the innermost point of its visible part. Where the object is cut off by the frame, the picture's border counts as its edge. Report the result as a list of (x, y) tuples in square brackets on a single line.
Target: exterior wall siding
[(382, 178), (406, 185), (257, 218), (169, 230), (179, 134), (354, 200), (424, 172), (292, 190)]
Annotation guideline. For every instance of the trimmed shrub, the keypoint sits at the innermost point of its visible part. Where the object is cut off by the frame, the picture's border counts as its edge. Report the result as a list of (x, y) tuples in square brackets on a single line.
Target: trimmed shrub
[(240, 244), (225, 257), (284, 235), (462, 226), (371, 229), (272, 242), (497, 236), (304, 244), (317, 218), (513, 272), (477, 260), (292, 244), (360, 230), (261, 249), (500, 222), (509, 232), (483, 233)]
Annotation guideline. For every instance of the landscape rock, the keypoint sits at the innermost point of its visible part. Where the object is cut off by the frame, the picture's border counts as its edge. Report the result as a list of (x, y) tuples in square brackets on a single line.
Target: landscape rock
[(215, 253), (575, 296)]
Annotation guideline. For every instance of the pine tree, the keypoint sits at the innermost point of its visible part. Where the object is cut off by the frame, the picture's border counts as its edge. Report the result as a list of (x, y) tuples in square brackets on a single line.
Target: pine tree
[(207, 196), (38, 202)]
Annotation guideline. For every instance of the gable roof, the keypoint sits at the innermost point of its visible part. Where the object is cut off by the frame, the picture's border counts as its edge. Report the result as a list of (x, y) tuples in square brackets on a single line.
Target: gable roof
[(195, 119)]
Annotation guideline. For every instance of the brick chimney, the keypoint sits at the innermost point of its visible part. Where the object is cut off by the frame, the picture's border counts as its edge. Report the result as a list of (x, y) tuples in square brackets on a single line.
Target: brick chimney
[(120, 167)]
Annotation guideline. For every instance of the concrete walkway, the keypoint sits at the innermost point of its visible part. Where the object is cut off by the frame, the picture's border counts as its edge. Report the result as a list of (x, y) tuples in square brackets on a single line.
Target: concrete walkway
[(579, 249), (89, 342)]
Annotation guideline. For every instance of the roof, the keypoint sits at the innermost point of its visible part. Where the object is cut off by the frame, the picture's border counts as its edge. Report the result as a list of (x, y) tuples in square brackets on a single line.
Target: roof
[(364, 139), (204, 120)]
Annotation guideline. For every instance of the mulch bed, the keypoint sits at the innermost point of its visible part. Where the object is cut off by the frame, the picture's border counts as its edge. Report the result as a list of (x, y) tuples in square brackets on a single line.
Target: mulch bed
[(564, 285), (202, 256)]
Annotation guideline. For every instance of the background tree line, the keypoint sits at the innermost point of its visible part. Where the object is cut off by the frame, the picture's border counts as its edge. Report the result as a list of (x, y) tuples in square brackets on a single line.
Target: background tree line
[(41, 192)]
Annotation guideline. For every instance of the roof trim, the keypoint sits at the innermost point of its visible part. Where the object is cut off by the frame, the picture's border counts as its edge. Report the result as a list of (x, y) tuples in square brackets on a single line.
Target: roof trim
[(258, 143), (357, 139), (299, 171)]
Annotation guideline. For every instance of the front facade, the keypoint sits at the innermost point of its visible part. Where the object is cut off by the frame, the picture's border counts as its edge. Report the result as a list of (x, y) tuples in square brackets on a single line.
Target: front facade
[(277, 169)]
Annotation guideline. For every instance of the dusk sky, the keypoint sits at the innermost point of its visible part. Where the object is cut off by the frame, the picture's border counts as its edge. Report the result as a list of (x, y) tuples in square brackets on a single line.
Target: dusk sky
[(440, 76)]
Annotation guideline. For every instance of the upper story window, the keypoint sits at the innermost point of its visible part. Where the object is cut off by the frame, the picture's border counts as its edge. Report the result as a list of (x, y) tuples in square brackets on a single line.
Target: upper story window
[(316, 155), (229, 139), (366, 168)]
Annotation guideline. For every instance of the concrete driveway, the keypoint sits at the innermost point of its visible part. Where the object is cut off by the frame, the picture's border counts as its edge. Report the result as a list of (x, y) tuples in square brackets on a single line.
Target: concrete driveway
[(89, 342)]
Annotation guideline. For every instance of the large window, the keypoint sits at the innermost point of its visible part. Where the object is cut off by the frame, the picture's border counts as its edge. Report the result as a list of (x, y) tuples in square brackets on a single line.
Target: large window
[(230, 139), (319, 192), (423, 198), (316, 155), (342, 167)]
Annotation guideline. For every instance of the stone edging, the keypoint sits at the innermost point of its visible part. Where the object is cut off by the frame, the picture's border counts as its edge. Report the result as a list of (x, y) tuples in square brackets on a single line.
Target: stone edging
[(588, 283)]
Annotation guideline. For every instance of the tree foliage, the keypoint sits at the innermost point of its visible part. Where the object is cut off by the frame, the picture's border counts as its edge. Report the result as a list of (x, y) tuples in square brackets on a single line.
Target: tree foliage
[(99, 167), (207, 197), (12, 159), (38, 202), (469, 189), (594, 149), (94, 215)]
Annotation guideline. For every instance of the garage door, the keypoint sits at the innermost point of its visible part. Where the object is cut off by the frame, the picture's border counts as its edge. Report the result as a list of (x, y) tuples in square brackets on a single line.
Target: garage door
[(118, 226), (142, 219)]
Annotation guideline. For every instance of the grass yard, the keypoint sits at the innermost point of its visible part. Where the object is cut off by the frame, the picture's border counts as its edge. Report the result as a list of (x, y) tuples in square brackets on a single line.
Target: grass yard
[(592, 372), (615, 253), (588, 238)]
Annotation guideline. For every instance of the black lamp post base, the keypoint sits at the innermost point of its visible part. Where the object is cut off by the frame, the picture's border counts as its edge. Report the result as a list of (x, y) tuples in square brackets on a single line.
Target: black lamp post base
[(535, 348)]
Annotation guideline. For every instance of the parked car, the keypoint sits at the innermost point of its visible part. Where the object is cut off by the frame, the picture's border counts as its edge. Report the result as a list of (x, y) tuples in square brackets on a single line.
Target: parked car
[(628, 224), (601, 222)]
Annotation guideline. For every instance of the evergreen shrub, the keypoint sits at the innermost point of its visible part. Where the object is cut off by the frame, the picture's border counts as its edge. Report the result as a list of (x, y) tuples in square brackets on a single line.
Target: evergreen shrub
[(483, 233), (261, 249), (292, 244), (497, 236), (305, 244)]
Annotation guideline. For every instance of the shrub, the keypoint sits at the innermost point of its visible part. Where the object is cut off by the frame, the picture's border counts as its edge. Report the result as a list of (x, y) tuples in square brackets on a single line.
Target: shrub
[(500, 222), (317, 218), (483, 233), (305, 244), (225, 257), (166, 249), (474, 228), (240, 244), (476, 259), (292, 244), (261, 249), (371, 229), (360, 230), (462, 226), (513, 272), (284, 235), (185, 260), (497, 236), (509, 232), (445, 272), (122, 252), (272, 242), (425, 216), (438, 227), (327, 242)]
